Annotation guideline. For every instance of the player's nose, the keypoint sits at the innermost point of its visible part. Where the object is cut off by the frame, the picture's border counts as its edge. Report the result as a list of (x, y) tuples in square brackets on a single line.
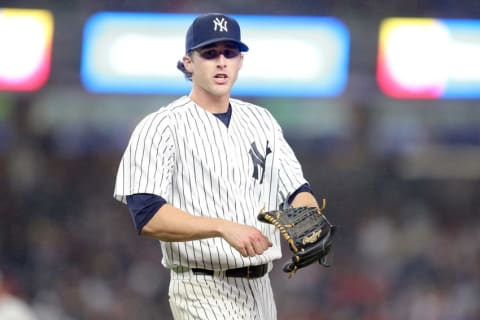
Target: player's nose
[(221, 61)]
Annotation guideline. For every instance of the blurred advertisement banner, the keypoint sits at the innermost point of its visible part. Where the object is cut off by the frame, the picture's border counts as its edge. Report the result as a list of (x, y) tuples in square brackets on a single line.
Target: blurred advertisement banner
[(138, 52), (26, 46)]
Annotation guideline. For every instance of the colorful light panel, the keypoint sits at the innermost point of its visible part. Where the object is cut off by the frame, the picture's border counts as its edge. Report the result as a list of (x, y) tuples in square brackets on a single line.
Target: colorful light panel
[(25, 48), (138, 52), (422, 58)]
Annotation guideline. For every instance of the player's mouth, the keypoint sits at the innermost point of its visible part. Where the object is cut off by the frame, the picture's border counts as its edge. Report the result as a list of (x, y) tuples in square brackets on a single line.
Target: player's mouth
[(221, 77)]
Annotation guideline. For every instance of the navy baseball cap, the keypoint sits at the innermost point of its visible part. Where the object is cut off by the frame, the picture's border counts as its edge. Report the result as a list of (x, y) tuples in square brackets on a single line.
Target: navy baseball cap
[(210, 28)]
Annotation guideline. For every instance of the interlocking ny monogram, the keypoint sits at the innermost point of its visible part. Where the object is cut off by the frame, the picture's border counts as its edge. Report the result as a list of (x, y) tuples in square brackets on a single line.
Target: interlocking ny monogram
[(258, 160), (220, 24)]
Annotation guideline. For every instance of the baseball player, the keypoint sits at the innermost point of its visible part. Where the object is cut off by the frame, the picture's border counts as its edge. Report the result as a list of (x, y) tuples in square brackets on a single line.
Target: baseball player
[(197, 172)]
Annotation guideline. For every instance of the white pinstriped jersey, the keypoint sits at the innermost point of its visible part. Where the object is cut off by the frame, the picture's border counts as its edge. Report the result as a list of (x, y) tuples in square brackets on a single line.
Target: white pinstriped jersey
[(189, 157)]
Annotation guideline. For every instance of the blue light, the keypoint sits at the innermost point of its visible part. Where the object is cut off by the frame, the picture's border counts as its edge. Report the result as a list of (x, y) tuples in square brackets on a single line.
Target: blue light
[(136, 53)]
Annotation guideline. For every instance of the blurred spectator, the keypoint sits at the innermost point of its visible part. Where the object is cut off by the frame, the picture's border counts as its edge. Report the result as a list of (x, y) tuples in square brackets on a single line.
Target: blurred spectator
[(11, 306)]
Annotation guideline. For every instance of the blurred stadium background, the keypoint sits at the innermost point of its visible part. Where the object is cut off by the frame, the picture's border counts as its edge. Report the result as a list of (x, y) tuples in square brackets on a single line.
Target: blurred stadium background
[(401, 176)]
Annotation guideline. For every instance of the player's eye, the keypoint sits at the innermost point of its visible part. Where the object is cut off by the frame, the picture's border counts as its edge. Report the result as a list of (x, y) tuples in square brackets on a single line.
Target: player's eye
[(209, 54), (228, 53)]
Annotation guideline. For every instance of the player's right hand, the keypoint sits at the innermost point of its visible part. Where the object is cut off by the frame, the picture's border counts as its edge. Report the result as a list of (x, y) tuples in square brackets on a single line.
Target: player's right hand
[(247, 240)]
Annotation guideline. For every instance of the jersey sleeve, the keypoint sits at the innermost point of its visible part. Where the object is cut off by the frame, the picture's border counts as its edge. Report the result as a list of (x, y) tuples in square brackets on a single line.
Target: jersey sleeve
[(148, 161), (290, 174)]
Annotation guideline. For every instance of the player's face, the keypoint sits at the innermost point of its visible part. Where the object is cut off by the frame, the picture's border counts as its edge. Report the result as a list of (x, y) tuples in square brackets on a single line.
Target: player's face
[(215, 68)]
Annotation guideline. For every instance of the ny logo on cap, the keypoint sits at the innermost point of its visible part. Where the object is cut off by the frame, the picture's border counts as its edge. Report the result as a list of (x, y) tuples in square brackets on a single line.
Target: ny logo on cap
[(220, 24)]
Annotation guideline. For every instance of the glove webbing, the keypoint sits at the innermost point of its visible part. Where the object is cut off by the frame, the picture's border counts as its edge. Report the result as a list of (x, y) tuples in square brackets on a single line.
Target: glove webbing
[(282, 230), (284, 233)]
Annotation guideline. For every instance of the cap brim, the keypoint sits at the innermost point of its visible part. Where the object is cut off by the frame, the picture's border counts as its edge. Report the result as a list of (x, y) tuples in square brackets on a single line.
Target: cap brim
[(241, 45)]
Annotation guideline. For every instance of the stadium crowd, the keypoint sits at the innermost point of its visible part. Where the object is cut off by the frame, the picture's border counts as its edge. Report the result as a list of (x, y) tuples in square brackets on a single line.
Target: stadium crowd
[(406, 249)]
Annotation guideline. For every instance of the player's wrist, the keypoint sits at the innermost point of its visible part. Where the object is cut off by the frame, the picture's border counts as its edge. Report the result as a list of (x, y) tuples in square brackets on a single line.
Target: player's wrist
[(220, 226)]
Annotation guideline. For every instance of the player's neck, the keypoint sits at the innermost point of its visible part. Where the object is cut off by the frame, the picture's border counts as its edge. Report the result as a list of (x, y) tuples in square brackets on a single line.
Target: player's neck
[(211, 103)]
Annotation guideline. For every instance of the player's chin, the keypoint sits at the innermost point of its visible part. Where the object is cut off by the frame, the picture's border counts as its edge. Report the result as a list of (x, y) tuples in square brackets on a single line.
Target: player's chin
[(221, 90)]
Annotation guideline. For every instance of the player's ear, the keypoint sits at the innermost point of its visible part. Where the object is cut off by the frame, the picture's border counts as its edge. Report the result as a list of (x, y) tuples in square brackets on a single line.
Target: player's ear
[(241, 62), (187, 62)]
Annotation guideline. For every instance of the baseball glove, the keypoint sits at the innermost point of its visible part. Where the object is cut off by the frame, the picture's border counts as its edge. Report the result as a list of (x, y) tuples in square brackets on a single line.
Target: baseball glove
[(308, 232)]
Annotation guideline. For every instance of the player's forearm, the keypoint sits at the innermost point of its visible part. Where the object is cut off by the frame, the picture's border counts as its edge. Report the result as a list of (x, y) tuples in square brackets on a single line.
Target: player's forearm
[(304, 199), (172, 224)]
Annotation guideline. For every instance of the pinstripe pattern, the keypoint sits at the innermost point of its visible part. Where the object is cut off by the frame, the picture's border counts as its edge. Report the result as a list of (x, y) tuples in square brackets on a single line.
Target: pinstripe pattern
[(190, 158), (221, 298)]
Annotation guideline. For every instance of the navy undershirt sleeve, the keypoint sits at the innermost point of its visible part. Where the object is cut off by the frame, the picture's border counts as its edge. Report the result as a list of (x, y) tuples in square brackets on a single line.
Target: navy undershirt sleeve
[(142, 207), (303, 188)]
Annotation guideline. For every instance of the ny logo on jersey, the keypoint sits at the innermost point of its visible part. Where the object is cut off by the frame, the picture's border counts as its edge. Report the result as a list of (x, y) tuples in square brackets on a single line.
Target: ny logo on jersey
[(221, 25), (258, 160)]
